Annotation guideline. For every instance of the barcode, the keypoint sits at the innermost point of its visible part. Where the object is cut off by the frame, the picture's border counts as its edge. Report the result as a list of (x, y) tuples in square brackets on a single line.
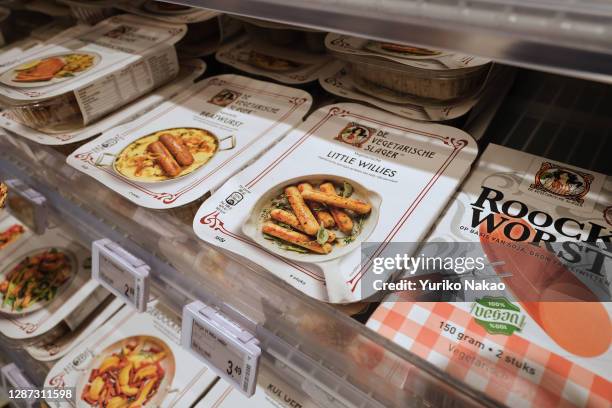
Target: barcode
[(247, 372)]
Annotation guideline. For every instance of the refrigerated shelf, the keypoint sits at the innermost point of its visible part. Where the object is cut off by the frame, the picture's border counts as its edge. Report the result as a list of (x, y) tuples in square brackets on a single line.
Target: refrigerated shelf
[(563, 36), (307, 342), (320, 347)]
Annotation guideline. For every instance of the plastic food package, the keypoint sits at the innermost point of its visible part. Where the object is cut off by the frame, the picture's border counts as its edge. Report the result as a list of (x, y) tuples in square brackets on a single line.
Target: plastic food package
[(516, 346), (90, 12), (354, 160), (206, 29), (338, 80), (76, 327), (284, 35), (79, 79), (190, 70), (27, 316), (143, 351), (292, 66), (423, 73), (211, 131)]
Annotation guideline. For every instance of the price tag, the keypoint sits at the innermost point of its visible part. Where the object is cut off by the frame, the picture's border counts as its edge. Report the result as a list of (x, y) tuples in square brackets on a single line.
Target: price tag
[(27, 205), (232, 351), (124, 275)]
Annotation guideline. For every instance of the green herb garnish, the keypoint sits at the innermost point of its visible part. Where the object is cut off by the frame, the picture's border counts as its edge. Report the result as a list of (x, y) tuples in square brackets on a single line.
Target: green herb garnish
[(322, 235)]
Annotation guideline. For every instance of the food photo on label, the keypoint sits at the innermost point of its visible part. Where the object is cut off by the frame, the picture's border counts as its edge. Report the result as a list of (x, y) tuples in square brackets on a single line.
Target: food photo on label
[(46, 289), (188, 145), (133, 360), (35, 280)]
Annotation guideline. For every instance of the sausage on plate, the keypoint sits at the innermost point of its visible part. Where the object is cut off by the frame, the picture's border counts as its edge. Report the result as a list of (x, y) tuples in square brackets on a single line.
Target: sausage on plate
[(295, 237), (290, 219), (341, 218), (164, 159), (179, 151), (323, 216), (301, 210), (358, 206)]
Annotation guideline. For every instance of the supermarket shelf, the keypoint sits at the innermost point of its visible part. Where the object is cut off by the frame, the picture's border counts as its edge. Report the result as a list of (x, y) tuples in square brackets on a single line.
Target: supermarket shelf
[(314, 345), (562, 36)]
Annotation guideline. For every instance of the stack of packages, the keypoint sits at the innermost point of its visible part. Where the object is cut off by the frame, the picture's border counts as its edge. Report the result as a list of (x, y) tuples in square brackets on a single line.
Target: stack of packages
[(49, 303), (135, 360), (289, 55)]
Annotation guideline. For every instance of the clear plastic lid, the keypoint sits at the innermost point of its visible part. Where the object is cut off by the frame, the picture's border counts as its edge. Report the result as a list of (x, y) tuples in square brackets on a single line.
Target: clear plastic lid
[(420, 61)]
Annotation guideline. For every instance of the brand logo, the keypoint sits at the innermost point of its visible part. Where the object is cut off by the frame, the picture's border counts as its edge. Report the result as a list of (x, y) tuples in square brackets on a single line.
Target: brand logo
[(355, 134), (562, 182), (120, 31), (224, 98), (497, 315), (607, 213)]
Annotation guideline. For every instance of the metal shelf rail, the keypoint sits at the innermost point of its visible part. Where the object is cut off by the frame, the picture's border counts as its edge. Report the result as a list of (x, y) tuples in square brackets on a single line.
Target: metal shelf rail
[(569, 37)]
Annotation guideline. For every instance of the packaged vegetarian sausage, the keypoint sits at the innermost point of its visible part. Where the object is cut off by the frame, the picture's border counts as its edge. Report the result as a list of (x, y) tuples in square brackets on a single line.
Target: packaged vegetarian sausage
[(43, 278), (206, 29), (337, 79), (545, 339), (349, 176), (283, 35), (292, 65), (190, 70), (77, 80), (90, 12), (135, 359), (401, 70), (191, 144)]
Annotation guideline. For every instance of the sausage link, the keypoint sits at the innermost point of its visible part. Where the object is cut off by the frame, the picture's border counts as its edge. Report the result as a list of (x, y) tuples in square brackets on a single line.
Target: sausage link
[(301, 210), (342, 219), (334, 200), (289, 218), (164, 159), (294, 237), (323, 216), (175, 146)]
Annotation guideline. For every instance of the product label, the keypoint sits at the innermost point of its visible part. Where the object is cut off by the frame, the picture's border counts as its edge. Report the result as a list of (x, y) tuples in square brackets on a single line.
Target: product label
[(103, 96), (365, 157), (173, 378), (66, 294), (221, 123), (544, 224)]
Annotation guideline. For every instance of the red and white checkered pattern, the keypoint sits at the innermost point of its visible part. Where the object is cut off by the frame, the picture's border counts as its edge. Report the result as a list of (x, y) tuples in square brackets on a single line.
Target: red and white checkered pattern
[(557, 382)]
